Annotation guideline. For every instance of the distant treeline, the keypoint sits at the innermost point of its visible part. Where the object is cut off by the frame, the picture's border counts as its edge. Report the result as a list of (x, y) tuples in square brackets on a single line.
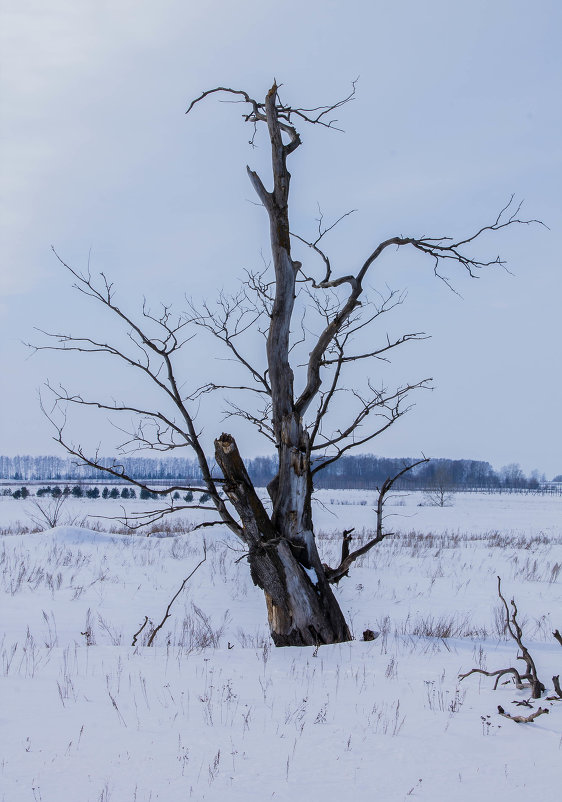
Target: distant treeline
[(93, 492), (29, 469), (363, 471)]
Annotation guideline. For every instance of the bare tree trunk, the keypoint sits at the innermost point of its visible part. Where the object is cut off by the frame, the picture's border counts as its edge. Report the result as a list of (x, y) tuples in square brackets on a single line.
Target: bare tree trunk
[(301, 606)]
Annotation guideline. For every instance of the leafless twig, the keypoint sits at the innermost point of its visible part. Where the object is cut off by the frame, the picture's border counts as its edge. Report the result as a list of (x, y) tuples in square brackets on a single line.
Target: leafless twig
[(138, 632), (175, 596), (48, 512)]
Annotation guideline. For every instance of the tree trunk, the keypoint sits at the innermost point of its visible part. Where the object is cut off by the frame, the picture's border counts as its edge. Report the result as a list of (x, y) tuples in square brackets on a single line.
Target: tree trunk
[(302, 609), (284, 562), (283, 556)]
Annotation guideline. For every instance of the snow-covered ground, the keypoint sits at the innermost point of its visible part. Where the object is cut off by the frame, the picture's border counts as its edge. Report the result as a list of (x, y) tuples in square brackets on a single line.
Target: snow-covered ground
[(212, 711)]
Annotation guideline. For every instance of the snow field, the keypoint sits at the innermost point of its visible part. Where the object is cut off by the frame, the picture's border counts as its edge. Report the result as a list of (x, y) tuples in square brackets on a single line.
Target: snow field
[(191, 718)]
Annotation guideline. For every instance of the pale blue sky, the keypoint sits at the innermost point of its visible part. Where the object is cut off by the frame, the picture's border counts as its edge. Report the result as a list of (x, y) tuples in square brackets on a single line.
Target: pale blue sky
[(458, 107)]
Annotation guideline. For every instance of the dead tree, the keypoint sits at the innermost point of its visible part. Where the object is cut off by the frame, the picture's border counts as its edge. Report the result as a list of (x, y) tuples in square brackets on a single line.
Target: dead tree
[(530, 674), (439, 494), (295, 396)]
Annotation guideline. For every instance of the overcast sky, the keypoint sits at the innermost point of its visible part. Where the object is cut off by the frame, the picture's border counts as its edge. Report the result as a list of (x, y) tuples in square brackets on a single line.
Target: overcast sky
[(458, 106)]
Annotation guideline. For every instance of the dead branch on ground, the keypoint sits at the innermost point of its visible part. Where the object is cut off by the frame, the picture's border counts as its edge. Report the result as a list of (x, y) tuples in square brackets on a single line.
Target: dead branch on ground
[(516, 633), (523, 719)]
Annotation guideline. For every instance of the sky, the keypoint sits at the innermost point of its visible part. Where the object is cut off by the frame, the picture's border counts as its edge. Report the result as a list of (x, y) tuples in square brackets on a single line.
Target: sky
[(457, 108)]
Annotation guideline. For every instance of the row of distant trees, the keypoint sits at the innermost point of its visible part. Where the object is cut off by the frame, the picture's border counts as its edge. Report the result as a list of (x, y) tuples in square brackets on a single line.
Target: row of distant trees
[(363, 471), (49, 468), (81, 491), (368, 471)]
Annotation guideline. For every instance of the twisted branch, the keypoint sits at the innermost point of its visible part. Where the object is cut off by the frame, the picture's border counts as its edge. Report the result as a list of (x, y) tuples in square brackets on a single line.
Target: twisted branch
[(514, 629)]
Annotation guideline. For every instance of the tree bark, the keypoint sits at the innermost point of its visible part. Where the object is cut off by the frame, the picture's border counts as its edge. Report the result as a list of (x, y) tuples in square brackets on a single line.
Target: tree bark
[(301, 606), (303, 609)]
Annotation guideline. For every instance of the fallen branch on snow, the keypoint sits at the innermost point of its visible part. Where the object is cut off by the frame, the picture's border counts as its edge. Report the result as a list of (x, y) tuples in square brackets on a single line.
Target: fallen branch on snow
[(516, 633), (523, 719)]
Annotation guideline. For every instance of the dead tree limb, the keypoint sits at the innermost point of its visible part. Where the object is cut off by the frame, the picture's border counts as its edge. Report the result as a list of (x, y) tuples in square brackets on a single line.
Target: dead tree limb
[(523, 719), (498, 675), (348, 558), (138, 632), (346, 540), (558, 636), (175, 596), (516, 633)]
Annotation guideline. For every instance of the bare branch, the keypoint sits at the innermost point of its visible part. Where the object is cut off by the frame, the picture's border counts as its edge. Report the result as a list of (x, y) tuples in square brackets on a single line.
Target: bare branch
[(256, 106), (314, 116), (498, 674), (138, 520), (229, 322), (441, 249), (348, 558), (389, 407), (48, 512), (261, 422), (418, 335), (523, 719), (327, 398), (85, 285), (175, 596), (138, 632), (514, 629), (118, 471), (211, 387), (63, 396), (322, 231), (164, 349)]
